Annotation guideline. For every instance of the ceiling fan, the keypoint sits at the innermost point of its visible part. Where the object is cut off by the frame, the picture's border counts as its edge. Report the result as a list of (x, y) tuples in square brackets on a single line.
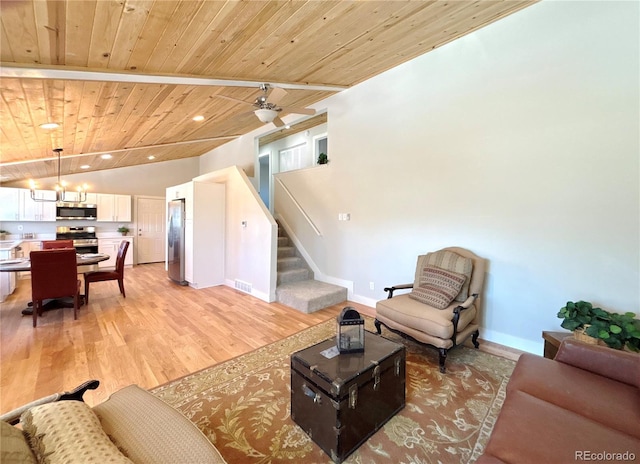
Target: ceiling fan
[(266, 105)]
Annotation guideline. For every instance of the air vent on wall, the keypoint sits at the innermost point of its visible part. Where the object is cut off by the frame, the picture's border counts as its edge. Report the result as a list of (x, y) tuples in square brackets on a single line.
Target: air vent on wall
[(243, 286)]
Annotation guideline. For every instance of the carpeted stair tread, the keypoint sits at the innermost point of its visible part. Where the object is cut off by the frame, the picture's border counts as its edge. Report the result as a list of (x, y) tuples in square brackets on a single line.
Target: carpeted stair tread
[(310, 295), (295, 286), (292, 262), (293, 275), (286, 251)]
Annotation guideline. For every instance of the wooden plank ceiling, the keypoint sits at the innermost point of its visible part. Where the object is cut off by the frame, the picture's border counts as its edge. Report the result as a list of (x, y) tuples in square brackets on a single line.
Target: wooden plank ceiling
[(118, 47)]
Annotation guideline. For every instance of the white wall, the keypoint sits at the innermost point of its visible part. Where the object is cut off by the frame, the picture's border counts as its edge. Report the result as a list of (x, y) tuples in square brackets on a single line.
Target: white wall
[(250, 249), (239, 152), (145, 179), (305, 138), (519, 142)]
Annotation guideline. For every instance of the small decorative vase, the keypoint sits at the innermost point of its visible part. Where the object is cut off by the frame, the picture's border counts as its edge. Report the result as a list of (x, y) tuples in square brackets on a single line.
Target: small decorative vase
[(580, 334)]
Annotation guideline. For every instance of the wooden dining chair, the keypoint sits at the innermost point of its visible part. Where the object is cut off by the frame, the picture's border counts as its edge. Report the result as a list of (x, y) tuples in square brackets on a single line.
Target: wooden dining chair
[(54, 274), (55, 244), (117, 274)]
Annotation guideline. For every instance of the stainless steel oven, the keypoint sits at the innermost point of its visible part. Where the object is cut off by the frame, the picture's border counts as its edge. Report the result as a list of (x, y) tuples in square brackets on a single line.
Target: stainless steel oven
[(84, 238)]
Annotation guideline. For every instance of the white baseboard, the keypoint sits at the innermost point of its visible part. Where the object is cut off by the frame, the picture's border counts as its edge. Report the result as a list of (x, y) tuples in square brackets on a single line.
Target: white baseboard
[(493, 336), (364, 300), (512, 342), (258, 294)]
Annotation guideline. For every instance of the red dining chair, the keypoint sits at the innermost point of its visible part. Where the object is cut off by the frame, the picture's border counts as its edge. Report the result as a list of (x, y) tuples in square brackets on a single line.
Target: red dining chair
[(117, 274), (54, 244), (54, 274)]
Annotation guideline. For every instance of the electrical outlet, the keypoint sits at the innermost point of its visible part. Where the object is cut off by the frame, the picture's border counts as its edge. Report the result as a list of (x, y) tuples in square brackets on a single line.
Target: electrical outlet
[(372, 286)]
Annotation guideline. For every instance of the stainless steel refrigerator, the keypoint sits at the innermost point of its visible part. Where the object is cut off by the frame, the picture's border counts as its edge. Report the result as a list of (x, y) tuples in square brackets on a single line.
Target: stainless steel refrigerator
[(175, 238)]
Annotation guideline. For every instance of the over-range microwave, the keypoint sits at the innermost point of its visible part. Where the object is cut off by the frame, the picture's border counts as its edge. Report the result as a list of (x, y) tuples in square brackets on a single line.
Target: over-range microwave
[(76, 211)]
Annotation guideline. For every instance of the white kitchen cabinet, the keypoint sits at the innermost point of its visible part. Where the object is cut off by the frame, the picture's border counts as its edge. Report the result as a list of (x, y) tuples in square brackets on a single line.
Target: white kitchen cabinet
[(110, 246), (204, 231), (31, 210), (183, 191), (10, 201), (113, 207), (7, 279), (17, 205), (73, 196), (92, 199)]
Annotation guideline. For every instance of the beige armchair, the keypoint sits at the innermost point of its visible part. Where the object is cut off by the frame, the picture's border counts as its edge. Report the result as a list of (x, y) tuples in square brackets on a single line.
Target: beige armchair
[(442, 308)]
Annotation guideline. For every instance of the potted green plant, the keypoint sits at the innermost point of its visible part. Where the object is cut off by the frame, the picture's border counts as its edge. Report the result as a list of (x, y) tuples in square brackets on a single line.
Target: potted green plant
[(124, 230), (3, 234), (323, 158), (616, 330), (576, 315)]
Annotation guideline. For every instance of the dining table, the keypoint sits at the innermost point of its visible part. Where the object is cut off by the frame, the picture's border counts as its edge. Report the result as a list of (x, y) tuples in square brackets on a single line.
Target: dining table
[(86, 262)]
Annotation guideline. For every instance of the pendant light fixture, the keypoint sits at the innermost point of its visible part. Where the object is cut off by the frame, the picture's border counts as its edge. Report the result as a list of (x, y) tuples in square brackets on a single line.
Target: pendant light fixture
[(60, 188)]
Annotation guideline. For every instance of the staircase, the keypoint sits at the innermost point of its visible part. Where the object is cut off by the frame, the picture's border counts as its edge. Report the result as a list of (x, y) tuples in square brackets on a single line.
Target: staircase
[(295, 286)]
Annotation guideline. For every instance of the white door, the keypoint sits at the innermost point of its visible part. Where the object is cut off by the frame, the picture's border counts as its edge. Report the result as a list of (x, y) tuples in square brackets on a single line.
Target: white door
[(151, 229)]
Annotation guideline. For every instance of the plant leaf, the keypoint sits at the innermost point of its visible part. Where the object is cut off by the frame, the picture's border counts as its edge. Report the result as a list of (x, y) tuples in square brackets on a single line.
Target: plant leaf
[(614, 329)]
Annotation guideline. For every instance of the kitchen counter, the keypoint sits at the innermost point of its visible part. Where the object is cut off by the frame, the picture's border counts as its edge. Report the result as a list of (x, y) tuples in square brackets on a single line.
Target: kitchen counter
[(8, 245), (100, 235), (16, 238)]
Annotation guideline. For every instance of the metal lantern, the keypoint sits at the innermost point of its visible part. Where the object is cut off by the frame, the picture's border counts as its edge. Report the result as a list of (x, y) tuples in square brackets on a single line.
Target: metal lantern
[(350, 331)]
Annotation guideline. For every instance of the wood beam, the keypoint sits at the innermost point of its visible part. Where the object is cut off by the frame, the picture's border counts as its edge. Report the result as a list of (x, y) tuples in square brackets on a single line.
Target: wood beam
[(84, 74)]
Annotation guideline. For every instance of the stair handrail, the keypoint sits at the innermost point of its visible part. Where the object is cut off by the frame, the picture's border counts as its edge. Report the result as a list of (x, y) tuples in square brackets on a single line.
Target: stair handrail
[(302, 211)]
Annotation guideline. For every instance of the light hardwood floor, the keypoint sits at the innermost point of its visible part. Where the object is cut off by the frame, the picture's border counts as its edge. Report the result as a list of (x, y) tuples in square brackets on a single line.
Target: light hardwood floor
[(159, 332)]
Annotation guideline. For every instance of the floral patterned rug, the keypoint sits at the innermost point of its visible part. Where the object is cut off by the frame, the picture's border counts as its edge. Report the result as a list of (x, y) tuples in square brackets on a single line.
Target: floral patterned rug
[(243, 406)]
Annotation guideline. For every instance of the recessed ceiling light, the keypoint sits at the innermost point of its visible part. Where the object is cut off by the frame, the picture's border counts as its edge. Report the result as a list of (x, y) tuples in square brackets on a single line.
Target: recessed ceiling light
[(49, 125), (287, 126), (151, 157), (198, 118), (106, 156), (85, 166)]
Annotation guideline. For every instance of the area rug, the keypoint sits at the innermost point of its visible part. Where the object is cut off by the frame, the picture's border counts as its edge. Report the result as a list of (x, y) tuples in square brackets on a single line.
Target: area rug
[(243, 406)]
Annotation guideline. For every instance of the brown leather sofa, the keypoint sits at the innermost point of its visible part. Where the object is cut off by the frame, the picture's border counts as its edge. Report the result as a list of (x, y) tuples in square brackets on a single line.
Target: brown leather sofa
[(582, 406)]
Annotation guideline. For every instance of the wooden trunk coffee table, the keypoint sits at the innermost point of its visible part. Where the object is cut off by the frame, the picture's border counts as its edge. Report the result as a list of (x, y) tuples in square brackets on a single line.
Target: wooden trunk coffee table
[(341, 400)]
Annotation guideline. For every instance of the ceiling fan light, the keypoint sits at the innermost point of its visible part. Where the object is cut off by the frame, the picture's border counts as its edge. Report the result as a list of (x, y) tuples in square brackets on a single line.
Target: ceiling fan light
[(266, 115)]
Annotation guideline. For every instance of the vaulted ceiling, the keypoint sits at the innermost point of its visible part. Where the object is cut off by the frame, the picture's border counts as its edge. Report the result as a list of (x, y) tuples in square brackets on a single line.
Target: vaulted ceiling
[(126, 77)]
